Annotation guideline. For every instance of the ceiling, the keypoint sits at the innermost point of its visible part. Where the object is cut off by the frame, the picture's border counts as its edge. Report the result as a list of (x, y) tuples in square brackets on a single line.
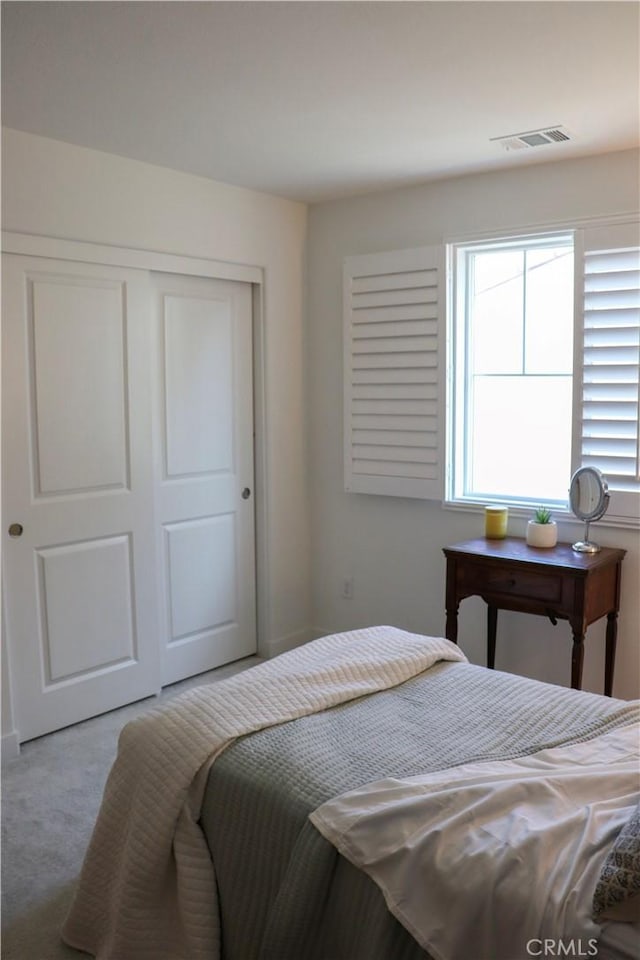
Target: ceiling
[(317, 100)]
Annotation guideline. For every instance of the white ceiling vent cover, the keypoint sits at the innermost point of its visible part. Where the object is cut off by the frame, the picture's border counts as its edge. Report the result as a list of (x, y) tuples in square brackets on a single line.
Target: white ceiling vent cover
[(533, 138)]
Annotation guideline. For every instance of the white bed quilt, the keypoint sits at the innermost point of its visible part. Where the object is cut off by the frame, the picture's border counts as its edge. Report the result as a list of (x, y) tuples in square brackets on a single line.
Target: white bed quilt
[(147, 888), (486, 858)]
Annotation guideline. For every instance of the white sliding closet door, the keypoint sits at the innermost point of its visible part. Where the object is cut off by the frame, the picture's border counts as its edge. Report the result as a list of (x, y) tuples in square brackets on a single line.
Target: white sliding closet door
[(128, 540), (79, 553), (204, 474)]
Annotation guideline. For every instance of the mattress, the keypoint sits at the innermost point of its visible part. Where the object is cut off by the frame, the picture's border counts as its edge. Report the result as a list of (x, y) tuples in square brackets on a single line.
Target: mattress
[(284, 892)]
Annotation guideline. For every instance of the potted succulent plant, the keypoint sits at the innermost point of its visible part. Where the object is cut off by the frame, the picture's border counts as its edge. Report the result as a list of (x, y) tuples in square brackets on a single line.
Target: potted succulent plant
[(542, 531)]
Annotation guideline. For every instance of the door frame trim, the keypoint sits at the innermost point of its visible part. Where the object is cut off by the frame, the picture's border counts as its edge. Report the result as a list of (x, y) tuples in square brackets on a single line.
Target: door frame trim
[(35, 245)]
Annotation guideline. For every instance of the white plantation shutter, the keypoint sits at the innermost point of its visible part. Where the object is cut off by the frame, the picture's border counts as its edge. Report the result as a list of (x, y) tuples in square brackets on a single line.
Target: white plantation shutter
[(609, 403), (392, 374)]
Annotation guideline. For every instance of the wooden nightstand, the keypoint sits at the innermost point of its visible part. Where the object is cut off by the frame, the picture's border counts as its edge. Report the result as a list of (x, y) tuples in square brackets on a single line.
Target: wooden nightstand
[(557, 583)]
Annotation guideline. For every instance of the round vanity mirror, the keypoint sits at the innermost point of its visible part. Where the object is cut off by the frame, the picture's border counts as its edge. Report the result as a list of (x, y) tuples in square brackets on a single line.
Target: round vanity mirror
[(589, 499)]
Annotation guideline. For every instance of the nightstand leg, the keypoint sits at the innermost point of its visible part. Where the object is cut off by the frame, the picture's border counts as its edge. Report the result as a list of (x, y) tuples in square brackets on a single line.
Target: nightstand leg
[(610, 654), (492, 626), (451, 628), (577, 656)]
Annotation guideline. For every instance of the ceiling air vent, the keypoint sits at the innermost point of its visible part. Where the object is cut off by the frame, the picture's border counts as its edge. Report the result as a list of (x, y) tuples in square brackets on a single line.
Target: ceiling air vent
[(533, 138)]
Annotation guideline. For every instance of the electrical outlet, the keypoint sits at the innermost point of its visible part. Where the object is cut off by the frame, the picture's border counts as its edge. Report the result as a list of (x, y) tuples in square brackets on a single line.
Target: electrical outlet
[(347, 588)]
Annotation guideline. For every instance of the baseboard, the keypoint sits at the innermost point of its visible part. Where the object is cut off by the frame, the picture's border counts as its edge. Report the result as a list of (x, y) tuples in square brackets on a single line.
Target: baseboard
[(282, 644), (10, 747), (293, 640)]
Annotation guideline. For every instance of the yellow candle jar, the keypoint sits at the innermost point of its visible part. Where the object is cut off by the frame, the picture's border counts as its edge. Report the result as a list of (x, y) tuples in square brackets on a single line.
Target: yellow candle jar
[(495, 522)]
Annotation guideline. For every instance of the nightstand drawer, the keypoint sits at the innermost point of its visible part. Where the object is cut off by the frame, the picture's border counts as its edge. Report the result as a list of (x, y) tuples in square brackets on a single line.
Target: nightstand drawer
[(524, 584)]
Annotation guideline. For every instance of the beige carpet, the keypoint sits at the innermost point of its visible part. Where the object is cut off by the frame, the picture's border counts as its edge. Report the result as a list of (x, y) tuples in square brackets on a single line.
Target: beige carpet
[(50, 797)]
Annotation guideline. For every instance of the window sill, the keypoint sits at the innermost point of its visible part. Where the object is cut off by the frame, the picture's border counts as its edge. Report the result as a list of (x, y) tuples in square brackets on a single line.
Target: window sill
[(560, 515)]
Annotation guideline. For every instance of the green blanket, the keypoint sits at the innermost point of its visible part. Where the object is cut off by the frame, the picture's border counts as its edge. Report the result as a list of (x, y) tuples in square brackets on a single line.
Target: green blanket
[(285, 894)]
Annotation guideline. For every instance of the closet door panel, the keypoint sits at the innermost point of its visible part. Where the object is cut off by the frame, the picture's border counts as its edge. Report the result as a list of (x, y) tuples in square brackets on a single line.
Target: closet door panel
[(204, 481), (79, 539)]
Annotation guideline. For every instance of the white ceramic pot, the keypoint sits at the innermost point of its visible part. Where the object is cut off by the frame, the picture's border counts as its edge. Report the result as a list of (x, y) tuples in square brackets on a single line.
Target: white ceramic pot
[(542, 534)]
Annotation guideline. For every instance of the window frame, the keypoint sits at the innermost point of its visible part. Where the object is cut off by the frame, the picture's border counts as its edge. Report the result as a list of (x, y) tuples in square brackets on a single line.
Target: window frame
[(455, 359)]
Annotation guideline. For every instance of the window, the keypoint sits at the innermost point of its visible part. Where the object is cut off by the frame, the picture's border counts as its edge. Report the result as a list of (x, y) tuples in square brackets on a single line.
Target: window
[(543, 354), (536, 376), (513, 369)]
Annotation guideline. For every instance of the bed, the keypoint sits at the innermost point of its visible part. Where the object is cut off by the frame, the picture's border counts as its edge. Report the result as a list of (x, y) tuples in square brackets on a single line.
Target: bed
[(392, 707)]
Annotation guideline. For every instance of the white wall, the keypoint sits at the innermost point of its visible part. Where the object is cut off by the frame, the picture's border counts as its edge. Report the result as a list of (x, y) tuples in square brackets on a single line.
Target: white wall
[(393, 547), (58, 190)]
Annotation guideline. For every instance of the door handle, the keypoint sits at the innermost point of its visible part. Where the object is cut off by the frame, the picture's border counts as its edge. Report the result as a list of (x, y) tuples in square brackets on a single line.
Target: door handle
[(246, 493), (15, 530)]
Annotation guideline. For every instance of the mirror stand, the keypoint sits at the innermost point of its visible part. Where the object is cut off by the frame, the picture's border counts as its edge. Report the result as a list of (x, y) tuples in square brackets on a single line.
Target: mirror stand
[(589, 499), (586, 545)]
